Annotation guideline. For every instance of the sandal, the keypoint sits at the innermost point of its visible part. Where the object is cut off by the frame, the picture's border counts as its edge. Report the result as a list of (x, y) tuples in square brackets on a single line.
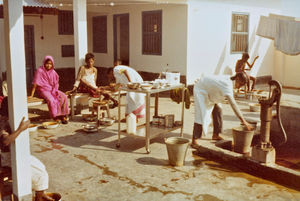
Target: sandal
[(217, 138)]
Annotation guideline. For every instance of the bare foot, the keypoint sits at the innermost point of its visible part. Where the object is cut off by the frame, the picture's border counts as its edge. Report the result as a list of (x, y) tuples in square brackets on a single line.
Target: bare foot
[(195, 144)]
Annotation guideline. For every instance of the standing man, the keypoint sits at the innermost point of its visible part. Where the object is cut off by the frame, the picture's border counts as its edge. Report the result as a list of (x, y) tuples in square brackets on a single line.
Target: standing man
[(135, 101), (209, 92)]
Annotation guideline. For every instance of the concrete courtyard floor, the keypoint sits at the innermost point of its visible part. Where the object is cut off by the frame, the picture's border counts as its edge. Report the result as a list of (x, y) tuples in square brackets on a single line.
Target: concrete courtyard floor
[(88, 166)]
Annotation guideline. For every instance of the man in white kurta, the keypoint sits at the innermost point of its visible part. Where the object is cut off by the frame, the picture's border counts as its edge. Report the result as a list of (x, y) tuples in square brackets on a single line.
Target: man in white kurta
[(209, 92), (135, 101)]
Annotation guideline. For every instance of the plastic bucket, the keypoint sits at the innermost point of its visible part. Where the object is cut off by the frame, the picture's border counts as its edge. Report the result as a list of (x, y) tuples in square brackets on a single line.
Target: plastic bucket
[(242, 139), (177, 147)]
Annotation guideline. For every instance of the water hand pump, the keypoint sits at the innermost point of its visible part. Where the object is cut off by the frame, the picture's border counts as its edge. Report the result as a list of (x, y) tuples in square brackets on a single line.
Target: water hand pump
[(264, 151)]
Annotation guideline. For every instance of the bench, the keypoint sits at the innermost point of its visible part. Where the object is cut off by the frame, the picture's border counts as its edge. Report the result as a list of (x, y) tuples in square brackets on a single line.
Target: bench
[(35, 101)]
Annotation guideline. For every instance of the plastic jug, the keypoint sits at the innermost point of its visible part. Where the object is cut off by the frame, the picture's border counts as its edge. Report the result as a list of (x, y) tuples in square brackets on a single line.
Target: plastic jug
[(131, 123)]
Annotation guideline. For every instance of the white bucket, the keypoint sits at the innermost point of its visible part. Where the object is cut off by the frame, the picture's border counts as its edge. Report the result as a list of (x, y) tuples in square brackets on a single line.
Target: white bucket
[(173, 78)]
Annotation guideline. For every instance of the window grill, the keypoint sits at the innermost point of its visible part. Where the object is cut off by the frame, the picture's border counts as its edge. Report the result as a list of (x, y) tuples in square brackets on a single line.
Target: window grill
[(65, 22), (152, 32), (100, 34), (239, 33)]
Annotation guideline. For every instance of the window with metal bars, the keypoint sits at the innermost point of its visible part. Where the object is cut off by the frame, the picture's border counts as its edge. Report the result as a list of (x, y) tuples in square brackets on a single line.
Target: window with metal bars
[(65, 22), (152, 32), (239, 32), (100, 34), (67, 51)]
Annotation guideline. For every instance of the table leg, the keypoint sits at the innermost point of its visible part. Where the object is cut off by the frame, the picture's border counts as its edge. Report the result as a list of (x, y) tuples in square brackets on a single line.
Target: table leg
[(119, 120), (72, 102), (156, 104), (182, 111), (147, 122)]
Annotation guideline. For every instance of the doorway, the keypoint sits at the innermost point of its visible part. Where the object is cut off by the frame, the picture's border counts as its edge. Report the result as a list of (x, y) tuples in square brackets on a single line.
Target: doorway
[(29, 55), (121, 38)]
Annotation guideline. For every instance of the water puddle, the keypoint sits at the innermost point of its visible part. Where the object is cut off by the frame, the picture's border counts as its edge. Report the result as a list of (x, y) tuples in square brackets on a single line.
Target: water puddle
[(147, 188)]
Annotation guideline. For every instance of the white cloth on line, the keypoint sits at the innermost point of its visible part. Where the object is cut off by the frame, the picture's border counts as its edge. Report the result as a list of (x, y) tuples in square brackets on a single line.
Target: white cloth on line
[(135, 101), (287, 39), (266, 27), (208, 91), (281, 17)]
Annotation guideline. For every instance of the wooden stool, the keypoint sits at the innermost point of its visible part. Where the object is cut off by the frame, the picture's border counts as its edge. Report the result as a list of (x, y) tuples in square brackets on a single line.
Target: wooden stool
[(100, 105)]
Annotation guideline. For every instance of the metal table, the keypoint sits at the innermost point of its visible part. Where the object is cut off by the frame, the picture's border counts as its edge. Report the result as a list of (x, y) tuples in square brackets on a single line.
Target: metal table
[(151, 131)]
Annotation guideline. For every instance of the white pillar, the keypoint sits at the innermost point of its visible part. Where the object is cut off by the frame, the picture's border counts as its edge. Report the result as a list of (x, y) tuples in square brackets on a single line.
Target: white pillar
[(80, 32), (16, 79)]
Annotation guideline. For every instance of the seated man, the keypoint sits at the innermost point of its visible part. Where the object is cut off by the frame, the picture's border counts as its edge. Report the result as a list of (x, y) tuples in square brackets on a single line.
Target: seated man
[(86, 81), (39, 175), (240, 66)]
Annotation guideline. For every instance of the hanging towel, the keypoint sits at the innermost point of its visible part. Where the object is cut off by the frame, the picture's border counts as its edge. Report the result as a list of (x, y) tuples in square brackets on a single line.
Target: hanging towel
[(281, 17), (176, 96), (287, 39), (266, 27)]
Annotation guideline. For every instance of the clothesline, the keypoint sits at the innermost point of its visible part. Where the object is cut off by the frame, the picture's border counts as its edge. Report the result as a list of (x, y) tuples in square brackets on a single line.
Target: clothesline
[(284, 30)]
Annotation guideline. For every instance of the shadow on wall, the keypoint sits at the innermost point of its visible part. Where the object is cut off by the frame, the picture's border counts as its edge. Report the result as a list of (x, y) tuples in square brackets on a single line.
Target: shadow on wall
[(267, 61), (252, 40), (220, 62)]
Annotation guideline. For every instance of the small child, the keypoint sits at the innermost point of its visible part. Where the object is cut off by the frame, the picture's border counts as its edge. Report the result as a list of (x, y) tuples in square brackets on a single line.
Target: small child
[(39, 175)]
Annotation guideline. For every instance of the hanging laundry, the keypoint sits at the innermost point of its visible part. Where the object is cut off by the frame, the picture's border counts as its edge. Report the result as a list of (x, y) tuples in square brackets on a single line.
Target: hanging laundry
[(284, 30), (287, 39), (266, 27)]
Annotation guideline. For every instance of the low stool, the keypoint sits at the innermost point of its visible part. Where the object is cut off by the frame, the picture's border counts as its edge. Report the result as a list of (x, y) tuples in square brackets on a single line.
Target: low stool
[(99, 106)]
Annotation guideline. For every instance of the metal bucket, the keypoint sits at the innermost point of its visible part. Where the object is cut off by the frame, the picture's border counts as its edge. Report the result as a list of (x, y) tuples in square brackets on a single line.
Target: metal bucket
[(177, 148), (242, 139), (55, 196)]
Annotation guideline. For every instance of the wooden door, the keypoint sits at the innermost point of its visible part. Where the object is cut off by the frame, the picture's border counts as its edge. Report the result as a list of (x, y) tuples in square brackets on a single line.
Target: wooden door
[(29, 54), (121, 38)]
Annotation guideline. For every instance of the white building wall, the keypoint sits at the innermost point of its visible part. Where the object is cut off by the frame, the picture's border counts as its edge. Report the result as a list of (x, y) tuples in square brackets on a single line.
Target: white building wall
[(174, 37), (51, 44), (209, 37)]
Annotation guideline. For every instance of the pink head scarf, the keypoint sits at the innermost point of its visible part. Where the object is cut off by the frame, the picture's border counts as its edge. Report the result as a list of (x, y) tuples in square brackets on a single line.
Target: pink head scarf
[(46, 80)]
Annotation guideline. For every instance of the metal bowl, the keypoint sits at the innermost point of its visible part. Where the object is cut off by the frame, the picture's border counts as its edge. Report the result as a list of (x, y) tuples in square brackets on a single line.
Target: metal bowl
[(133, 85), (106, 121), (89, 128), (254, 107), (89, 117), (32, 127), (50, 124), (146, 86)]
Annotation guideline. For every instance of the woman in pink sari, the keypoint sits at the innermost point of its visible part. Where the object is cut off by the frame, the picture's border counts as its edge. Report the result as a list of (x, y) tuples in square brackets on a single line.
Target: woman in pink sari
[(46, 82)]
